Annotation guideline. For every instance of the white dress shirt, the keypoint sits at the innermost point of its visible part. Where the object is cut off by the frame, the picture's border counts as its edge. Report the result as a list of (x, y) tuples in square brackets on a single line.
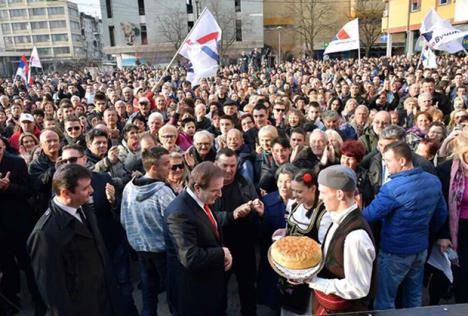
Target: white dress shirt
[(359, 254), (70, 210)]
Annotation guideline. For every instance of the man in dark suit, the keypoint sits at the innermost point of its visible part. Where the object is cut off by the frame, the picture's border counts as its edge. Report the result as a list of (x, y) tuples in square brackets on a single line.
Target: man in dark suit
[(16, 222), (196, 258), (68, 256)]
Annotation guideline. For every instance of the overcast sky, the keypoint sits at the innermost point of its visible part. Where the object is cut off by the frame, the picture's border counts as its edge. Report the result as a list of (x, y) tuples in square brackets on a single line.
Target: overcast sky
[(91, 7)]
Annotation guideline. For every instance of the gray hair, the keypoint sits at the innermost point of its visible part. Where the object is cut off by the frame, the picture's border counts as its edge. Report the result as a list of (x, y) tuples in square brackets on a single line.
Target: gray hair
[(330, 115), (153, 116), (424, 95), (203, 133), (288, 169), (362, 106), (394, 132)]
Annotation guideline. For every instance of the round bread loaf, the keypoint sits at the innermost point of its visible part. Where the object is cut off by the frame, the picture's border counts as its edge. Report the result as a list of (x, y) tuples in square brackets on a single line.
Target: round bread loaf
[(296, 252)]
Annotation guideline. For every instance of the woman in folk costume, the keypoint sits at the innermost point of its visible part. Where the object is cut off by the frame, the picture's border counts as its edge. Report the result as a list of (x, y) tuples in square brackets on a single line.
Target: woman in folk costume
[(345, 281), (306, 217)]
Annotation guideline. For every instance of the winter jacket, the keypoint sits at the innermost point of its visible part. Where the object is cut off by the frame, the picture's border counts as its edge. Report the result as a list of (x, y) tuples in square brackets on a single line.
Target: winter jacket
[(41, 171), (410, 205), (120, 175), (144, 201)]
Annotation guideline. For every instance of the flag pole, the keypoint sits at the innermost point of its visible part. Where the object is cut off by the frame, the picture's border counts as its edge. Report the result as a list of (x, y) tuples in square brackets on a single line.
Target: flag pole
[(359, 48), (180, 47)]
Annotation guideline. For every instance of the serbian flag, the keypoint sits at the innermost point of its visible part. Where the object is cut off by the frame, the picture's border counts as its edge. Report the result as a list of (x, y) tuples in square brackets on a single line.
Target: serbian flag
[(346, 39), (201, 48), (23, 69)]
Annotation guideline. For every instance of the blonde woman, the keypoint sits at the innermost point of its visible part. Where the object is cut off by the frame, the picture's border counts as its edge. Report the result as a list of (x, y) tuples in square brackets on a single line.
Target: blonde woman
[(453, 175)]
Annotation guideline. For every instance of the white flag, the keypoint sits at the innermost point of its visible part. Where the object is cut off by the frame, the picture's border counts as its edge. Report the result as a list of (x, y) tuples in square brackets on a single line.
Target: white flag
[(346, 39), (34, 60), (440, 34), (201, 47), (428, 58)]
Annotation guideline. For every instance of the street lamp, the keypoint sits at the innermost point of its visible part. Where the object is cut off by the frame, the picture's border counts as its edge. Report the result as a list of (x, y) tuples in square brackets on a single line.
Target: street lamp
[(279, 28)]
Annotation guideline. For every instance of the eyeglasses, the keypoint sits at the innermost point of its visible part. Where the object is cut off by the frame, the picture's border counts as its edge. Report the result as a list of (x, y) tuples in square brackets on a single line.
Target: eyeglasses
[(73, 128), (71, 160), (179, 166), (168, 136), (144, 103), (203, 144)]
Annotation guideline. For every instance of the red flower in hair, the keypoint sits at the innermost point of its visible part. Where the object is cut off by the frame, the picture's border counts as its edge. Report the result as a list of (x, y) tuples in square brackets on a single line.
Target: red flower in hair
[(307, 177)]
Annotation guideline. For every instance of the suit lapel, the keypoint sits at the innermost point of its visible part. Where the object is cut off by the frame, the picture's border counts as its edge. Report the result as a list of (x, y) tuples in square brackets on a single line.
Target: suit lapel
[(200, 213)]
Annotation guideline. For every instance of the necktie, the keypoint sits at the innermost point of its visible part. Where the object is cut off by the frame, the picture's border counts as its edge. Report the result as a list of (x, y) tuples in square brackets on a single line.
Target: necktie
[(211, 218), (82, 216)]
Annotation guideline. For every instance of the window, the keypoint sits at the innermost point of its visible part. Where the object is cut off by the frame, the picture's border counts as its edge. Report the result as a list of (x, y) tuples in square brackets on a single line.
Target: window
[(415, 5), (141, 7), (109, 8), (238, 30), (77, 38), (22, 39), (56, 11), (9, 40), (14, 13), (73, 12), (39, 25), (190, 25), (111, 35), (57, 24), (75, 25), (60, 37), (15, 1), (237, 5), (4, 14), (144, 34), (37, 11), (62, 50), (444, 2), (19, 26), (6, 29), (41, 38), (44, 51), (189, 7)]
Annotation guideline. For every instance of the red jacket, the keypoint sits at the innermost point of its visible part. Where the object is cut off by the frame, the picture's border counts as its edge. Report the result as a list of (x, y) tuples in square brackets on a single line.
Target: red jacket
[(14, 139)]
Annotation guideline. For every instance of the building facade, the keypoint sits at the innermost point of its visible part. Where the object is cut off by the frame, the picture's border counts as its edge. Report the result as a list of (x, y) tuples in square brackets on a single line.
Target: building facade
[(152, 30), (402, 20), (91, 30)]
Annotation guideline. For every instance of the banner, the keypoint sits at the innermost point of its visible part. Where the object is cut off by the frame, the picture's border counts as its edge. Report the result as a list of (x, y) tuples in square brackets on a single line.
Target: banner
[(346, 39), (440, 34), (428, 58)]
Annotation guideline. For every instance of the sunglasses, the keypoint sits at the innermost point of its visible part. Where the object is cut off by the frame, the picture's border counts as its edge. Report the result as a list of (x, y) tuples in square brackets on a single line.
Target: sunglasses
[(74, 128), (71, 160), (280, 110), (179, 166)]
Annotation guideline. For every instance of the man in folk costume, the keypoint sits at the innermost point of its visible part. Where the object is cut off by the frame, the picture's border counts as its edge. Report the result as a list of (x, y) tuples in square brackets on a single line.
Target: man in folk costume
[(345, 281)]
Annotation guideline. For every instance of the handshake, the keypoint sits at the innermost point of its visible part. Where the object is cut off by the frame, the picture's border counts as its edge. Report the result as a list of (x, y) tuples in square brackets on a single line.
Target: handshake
[(244, 209)]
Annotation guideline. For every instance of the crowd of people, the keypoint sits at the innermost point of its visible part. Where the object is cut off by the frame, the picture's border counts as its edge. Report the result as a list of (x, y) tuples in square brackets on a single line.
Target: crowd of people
[(102, 174)]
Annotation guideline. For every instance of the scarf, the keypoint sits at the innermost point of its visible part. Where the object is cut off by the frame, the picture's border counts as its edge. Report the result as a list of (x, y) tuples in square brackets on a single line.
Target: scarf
[(456, 189)]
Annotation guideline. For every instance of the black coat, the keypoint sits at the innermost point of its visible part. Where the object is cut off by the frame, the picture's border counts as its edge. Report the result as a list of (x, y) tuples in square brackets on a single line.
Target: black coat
[(70, 265), (195, 259), (41, 170), (16, 215)]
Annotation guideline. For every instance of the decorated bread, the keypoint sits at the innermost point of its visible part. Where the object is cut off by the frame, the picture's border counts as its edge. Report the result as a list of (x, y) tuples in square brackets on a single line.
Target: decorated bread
[(296, 252)]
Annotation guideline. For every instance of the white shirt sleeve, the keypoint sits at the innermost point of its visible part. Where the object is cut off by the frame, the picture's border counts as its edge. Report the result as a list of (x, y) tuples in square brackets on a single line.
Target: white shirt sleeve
[(359, 254)]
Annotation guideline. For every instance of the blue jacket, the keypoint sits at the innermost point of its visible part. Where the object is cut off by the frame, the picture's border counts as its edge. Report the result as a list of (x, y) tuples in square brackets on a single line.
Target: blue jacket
[(411, 206), (144, 201)]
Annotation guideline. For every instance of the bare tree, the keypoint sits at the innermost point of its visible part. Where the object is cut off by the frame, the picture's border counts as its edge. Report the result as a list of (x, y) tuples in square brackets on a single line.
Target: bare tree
[(311, 17), (370, 14), (227, 22), (173, 27)]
